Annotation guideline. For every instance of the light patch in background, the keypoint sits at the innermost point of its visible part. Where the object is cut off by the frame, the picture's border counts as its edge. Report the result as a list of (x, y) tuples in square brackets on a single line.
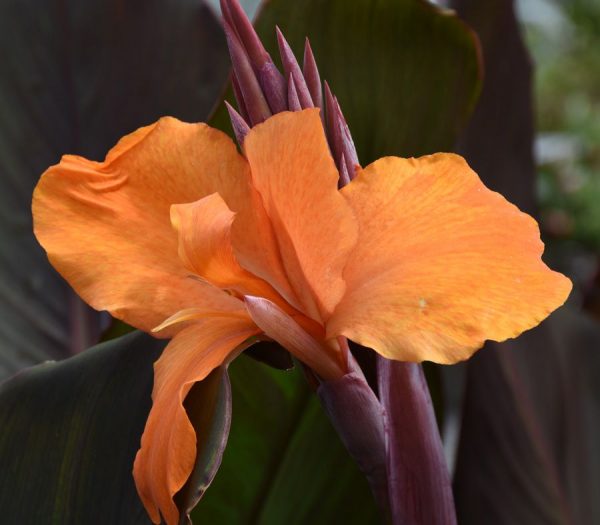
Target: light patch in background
[(542, 13), (250, 6)]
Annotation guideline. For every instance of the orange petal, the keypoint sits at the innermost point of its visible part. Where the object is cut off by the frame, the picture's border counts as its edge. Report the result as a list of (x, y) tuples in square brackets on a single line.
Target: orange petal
[(326, 360), (106, 225), (295, 175), (442, 263), (204, 229), (196, 314), (254, 241), (168, 450)]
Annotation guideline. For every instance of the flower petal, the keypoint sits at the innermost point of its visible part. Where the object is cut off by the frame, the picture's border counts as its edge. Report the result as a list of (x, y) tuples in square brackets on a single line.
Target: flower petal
[(442, 263), (204, 228), (315, 229), (106, 225), (196, 314), (325, 358), (168, 450), (254, 241)]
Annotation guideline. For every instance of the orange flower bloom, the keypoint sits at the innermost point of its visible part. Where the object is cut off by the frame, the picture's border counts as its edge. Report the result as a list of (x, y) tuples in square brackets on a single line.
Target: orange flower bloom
[(177, 233)]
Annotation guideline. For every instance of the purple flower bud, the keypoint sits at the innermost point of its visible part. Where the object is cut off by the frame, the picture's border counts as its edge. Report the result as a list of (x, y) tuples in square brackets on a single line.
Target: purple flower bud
[(344, 175), (290, 65), (238, 97), (251, 92), (312, 77), (240, 126), (338, 133), (274, 87), (293, 100)]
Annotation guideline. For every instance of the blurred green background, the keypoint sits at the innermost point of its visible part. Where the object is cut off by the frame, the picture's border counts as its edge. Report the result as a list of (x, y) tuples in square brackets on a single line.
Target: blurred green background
[(563, 37)]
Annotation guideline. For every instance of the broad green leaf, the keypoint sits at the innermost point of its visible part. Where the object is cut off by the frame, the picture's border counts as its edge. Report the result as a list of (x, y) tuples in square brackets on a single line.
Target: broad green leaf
[(405, 71), (70, 431), (528, 451), (284, 462), (75, 77)]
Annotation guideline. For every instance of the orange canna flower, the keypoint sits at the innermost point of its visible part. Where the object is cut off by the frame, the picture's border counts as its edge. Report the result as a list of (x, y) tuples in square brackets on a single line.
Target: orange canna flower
[(178, 234)]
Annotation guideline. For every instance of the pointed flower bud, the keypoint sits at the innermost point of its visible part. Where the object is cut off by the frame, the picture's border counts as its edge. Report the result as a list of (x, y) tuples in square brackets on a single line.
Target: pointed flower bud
[(240, 126), (312, 77), (237, 91), (344, 175), (338, 133), (274, 87), (293, 100), (249, 87), (261, 90), (291, 67), (236, 17)]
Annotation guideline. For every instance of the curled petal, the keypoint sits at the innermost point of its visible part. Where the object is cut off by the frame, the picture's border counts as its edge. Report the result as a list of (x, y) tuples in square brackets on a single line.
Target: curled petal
[(168, 449), (204, 228), (106, 225), (326, 360), (195, 314), (442, 263), (315, 229)]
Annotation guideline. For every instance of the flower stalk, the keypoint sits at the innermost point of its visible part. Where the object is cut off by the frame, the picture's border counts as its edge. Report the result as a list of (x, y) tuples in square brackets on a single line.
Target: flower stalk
[(359, 418), (393, 438)]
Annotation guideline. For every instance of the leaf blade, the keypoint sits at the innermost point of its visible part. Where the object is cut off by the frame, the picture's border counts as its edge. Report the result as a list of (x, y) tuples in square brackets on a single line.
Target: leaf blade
[(76, 424)]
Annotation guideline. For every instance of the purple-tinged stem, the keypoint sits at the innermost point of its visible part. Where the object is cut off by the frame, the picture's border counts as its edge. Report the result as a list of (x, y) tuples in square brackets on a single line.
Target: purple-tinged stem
[(240, 126), (293, 100), (251, 92), (312, 77), (358, 417), (420, 491), (291, 67)]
